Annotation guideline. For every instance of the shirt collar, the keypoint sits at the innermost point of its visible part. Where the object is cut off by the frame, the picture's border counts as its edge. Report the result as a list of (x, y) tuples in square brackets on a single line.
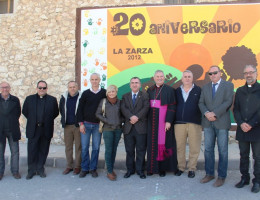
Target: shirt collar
[(135, 93), (190, 88), (217, 82), (95, 92), (7, 97)]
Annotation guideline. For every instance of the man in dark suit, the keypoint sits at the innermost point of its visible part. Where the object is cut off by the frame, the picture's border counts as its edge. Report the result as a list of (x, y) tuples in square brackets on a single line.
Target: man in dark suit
[(247, 115), (135, 106), (215, 102), (10, 112), (40, 110)]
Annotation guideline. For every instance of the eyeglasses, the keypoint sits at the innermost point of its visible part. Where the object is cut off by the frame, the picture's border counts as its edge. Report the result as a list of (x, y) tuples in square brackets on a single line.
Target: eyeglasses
[(249, 73), (5, 88), (211, 73), (42, 88)]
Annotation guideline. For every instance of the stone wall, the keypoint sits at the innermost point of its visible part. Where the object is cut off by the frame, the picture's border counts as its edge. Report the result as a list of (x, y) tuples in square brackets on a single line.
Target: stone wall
[(37, 42)]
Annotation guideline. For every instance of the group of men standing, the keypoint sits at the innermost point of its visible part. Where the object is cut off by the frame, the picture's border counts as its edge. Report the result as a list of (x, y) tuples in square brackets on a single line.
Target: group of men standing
[(40, 110), (158, 122)]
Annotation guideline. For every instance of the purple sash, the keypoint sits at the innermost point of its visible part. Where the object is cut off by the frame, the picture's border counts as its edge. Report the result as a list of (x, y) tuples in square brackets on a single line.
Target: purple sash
[(162, 152)]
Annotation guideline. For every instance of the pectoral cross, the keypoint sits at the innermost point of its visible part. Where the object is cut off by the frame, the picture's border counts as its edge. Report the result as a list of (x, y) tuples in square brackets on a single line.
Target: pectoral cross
[(154, 102)]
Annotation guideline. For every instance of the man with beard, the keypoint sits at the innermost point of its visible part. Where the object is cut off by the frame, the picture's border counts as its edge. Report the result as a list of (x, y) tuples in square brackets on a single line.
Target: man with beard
[(247, 116)]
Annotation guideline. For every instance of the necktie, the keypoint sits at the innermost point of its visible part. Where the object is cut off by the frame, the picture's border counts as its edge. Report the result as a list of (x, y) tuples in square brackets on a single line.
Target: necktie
[(214, 89), (134, 99)]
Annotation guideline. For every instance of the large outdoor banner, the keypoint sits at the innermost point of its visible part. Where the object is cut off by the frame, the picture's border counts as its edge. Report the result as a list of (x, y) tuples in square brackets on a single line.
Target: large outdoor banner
[(123, 42)]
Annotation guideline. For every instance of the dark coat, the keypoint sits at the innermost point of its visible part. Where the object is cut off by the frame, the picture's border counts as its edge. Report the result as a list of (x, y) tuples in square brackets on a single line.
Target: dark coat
[(140, 109), (247, 109), (51, 111), (189, 111), (63, 109), (14, 113)]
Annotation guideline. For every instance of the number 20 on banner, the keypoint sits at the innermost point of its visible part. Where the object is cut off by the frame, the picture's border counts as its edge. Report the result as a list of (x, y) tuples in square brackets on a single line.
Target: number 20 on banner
[(136, 23)]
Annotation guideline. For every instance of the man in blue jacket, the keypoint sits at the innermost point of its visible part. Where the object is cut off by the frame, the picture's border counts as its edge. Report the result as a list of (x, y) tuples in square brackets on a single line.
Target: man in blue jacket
[(68, 107), (188, 124)]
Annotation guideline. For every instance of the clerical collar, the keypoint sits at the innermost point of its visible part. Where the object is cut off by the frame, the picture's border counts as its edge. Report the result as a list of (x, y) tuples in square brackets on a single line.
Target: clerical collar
[(158, 86), (41, 96), (251, 85)]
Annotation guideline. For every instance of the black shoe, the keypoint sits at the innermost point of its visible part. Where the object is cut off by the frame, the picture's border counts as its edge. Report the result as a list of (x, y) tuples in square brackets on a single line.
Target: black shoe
[(83, 174), (1, 176), (42, 174), (128, 174), (162, 173), (178, 173), (242, 183), (255, 188), (30, 175), (149, 174), (93, 173), (142, 175), (191, 174)]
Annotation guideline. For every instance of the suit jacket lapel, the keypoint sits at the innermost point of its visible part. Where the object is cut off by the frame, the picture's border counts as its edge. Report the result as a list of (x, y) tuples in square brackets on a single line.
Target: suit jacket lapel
[(35, 105), (130, 99), (209, 91), (1, 108), (138, 97), (221, 85), (46, 104)]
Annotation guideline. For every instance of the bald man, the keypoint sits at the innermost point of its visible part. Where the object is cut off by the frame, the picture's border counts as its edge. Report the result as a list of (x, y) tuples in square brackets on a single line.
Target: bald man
[(10, 112)]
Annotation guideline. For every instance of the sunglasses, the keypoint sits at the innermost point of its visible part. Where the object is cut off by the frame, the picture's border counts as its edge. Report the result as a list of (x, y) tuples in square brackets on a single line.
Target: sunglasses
[(42, 88), (211, 73)]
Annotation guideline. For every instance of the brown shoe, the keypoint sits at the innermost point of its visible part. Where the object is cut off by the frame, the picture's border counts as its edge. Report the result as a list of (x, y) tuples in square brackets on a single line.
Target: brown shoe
[(17, 176), (1, 176), (93, 173), (111, 177), (206, 179), (219, 182), (76, 171), (67, 170), (114, 174)]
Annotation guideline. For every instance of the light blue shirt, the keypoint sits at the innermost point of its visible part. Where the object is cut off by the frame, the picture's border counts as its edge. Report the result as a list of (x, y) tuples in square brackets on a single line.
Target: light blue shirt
[(133, 94), (216, 87), (185, 95)]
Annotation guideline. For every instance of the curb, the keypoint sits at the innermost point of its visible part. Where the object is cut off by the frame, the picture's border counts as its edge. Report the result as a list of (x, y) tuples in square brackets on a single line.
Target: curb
[(59, 162)]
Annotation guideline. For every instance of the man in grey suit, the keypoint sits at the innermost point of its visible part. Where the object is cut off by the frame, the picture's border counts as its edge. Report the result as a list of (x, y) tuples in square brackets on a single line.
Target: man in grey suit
[(215, 102), (135, 106)]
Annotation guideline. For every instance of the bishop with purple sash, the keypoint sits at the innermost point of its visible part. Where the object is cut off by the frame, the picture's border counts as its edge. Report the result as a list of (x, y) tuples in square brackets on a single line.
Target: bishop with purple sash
[(161, 144)]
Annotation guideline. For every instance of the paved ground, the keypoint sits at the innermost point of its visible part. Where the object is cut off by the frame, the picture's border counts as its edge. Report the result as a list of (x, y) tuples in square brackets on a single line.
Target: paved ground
[(67, 187), (58, 186), (56, 157)]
